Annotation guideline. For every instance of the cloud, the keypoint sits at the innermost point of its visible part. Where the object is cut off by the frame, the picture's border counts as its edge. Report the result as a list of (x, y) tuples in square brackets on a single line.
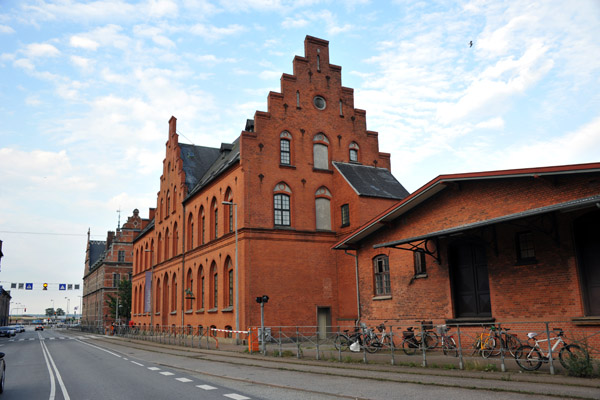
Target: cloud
[(82, 62), (6, 29), (84, 43), (211, 32), (154, 33), (294, 22), (37, 50)]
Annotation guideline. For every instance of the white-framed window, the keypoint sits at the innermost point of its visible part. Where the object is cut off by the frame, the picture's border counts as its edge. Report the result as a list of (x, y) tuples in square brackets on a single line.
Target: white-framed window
[(285, 140), (353, 152), (281, 205), (323, 208)]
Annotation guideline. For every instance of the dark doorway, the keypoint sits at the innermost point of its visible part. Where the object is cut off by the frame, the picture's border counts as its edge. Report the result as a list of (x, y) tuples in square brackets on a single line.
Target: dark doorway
[(470, 284), (587, 240)]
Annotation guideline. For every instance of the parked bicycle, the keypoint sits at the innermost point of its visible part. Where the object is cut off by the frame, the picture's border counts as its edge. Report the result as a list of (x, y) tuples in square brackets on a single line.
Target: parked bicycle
[(363, 336), (530, 358), (449, 346), (413, 341), (375, 342), (492, 342)]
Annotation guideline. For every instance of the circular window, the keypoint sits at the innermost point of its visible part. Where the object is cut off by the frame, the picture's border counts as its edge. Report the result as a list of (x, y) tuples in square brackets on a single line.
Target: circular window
[(319, 102)]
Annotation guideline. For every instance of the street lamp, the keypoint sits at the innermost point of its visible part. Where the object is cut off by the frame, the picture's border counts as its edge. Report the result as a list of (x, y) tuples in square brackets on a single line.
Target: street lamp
[(237, 301), (262, 300), (68, 303)]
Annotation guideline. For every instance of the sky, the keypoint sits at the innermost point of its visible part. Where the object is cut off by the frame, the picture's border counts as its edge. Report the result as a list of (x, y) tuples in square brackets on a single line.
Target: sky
[(87, 89)]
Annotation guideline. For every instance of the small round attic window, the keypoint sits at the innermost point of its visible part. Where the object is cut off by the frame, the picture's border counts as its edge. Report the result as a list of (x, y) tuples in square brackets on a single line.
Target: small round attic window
[(319, 102)]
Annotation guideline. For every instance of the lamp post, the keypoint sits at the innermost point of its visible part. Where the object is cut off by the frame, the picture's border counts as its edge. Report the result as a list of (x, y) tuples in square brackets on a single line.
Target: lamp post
[(237, 301), (262, 300)]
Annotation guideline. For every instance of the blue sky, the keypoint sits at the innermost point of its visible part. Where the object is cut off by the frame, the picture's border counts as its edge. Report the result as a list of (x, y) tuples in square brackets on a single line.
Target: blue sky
[(87, 89)]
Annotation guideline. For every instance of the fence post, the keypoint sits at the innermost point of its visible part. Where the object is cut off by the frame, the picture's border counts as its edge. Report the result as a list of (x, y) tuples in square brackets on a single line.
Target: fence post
[(280, 348), (318, 332), (339, 339), (423, 346), (549, 349), (461, 364), (393, 361), (502, 344), (297, 343)]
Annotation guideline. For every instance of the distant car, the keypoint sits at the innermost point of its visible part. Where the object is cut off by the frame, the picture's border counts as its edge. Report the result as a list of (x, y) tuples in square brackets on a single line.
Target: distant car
[(17, 328), (21, 327), (7, 331), (39, 327), (2, 369)]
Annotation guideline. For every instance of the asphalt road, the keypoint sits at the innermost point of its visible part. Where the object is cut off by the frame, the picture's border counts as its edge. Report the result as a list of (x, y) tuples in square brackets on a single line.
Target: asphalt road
[(58, 364)]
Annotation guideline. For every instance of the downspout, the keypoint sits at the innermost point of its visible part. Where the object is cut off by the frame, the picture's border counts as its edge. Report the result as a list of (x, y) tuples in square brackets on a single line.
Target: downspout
[(183, 268), (357, 290)]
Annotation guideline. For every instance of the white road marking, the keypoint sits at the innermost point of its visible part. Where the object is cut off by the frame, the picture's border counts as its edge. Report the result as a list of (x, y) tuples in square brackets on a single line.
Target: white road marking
[(206, 387), (52, 338), (100, 348), (183, 380), (137, 363), (20, 340), (154, 368), (126, 359), (31, 338), (166, 373), (58, 377), (236, 396)]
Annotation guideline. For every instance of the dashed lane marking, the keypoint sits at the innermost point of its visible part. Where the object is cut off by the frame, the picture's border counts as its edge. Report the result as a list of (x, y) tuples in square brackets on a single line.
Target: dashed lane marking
[(183, 380), (236, 396), (154, 368), (137, 363), (166, 373), (206, 387)]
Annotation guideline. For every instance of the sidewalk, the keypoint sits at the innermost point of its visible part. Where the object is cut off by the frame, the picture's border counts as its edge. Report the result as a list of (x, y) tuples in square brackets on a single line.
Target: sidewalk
[(517, 382)]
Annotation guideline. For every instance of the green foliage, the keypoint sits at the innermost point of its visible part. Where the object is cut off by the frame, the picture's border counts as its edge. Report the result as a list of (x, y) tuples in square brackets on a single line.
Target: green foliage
[(123, 299), (60, 311), (581, 364), (50, 312)]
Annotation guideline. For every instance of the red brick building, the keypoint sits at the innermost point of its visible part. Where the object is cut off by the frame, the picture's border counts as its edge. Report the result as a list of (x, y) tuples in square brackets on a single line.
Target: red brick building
[(106, 264), (515, 245), (298, 178)]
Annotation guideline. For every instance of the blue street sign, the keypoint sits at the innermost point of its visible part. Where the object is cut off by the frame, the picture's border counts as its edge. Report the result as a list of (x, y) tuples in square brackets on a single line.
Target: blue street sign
[(62, 286), (29, 286)]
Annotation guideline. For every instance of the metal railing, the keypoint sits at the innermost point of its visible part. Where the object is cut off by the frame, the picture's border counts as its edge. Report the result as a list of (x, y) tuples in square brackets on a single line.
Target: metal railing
[(320, 344)]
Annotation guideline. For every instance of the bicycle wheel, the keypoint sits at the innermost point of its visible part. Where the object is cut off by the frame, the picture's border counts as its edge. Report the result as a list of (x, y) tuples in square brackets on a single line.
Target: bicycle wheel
[(372, 344), (341, 342), (390, 342), (528, 358), (409, 346), (449, 347), (511, 344), (572, 353), (488, 348), (431, 340)]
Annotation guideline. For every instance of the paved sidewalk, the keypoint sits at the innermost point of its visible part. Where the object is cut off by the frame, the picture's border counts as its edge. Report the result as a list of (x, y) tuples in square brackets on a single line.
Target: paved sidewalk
[(520, 383)]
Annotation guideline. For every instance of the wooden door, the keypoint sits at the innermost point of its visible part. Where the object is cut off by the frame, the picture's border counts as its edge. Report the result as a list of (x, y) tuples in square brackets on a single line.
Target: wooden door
[(587, 239), (470, 284)]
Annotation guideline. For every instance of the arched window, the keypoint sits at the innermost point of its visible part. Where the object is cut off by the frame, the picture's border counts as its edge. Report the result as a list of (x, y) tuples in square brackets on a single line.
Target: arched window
[(353, 152), (229, 208), (175, 240), (281, 205), (189, 290), (214, 285), (230, 283), (152, 259), (174, 294), (159, 248), (320, 151), (166, 244), (146, 257), (161, 210), (285, 155), (200, 289), (202, 226), (381, 275), (190, 232), (157, 299), (214, 211), (168, 211), (323, 208), (174, 206), (135, 300)]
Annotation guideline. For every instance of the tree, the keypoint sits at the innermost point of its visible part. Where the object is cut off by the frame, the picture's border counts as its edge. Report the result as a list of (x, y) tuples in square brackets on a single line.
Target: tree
[(50, 312), (60, 311), (124, 301)]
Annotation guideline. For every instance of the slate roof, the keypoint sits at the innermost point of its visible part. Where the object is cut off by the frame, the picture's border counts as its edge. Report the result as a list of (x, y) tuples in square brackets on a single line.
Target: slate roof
[(97, 248), (227, 155), (371, 181), (196, 161)]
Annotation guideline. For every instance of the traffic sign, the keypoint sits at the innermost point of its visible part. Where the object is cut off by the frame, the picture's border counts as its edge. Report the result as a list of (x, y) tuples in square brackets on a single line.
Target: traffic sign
[(29, 286), (62, 286)]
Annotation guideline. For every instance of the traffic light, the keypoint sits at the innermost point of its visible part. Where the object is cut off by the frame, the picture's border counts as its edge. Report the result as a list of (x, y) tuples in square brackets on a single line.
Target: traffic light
[(262, 299), (45, 286)]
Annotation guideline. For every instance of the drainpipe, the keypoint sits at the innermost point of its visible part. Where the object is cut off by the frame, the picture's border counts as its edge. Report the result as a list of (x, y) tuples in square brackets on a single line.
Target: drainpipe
[(184, 222), (357, 290)]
